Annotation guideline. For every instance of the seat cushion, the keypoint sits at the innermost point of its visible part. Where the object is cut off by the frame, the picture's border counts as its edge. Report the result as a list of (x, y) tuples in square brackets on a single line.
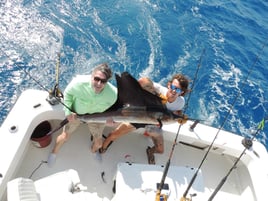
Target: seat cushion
[(22, 189), (59, 186)]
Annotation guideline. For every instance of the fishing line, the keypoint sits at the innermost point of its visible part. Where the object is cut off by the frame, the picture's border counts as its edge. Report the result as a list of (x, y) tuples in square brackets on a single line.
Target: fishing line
[(38, 83), (194, 80), (161, 185), (55, 95), (225, 119)]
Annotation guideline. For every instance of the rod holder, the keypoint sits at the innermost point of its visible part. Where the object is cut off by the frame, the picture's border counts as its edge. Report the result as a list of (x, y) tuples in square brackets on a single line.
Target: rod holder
[(194, 125)]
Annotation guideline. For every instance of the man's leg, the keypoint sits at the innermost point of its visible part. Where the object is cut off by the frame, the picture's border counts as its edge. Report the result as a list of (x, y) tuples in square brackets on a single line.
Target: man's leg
[(121, 130), (96, 130), (64, 136), (158, 144), (61, 139), (157, 137)]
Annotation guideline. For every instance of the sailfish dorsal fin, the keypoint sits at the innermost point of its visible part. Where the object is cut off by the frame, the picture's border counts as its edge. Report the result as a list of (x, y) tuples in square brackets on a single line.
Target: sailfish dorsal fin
[(131, 93)]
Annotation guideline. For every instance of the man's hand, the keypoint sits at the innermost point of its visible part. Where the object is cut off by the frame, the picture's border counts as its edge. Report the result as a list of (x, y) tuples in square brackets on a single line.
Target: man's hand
[(182, 120), (110, 121), (71, 117), (164, 98)]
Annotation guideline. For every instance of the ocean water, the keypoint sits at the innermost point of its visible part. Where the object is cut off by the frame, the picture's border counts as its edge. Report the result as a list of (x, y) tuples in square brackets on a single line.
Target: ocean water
[(220, 45)]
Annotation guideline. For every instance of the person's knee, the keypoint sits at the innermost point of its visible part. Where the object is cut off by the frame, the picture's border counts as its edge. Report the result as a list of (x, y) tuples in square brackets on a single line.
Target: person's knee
[(160, 150), (113, 136), (126, 125)]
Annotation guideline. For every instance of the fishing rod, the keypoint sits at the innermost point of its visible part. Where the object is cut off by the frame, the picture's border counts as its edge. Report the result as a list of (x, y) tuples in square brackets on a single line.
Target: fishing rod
[(248, 145), (195, 78), (223, 123), (36, 81), (56, 92), (163, 197), (55, 95)]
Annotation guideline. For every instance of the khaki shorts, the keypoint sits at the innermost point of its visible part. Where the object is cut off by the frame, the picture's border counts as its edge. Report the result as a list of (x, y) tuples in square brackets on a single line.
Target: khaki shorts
[(96, 129)]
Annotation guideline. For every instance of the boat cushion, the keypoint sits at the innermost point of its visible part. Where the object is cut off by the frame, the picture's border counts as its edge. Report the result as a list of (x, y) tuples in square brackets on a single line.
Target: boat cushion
[(22, 189), (59, 186)]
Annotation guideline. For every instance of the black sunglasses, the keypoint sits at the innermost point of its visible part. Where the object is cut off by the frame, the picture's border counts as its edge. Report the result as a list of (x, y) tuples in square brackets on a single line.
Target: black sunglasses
[(97, 79)]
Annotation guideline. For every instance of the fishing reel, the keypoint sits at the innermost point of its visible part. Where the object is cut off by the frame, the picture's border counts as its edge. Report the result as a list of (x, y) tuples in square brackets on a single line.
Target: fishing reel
[(188, 199), (55, 96), (247, 142), (161, 197), (163, 194)]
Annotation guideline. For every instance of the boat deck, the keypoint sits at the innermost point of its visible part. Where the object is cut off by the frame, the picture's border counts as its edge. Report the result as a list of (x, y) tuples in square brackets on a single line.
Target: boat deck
[(247, 181), (75, 154)]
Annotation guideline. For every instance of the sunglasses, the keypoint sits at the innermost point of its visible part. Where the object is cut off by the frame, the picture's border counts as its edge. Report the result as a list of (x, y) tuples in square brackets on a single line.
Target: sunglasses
[(178, 90), (97, 79)]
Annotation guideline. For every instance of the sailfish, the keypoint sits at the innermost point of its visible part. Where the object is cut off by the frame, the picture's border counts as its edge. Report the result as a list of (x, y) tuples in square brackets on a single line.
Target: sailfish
[(134, 104)]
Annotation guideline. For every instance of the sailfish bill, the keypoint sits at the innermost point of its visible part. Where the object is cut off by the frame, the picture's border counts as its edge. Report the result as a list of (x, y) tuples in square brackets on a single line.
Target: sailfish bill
[(133, 104)]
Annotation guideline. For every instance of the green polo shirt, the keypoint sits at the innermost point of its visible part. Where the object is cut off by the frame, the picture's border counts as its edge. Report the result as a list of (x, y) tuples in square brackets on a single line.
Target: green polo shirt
[(80, 96)]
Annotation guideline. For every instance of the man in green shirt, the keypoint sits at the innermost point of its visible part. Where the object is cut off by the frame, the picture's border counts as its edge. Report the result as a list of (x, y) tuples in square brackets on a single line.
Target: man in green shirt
[(86, 95)]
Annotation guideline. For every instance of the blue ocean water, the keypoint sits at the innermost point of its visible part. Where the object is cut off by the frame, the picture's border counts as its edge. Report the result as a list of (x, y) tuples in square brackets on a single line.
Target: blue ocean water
[(220, 45)]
